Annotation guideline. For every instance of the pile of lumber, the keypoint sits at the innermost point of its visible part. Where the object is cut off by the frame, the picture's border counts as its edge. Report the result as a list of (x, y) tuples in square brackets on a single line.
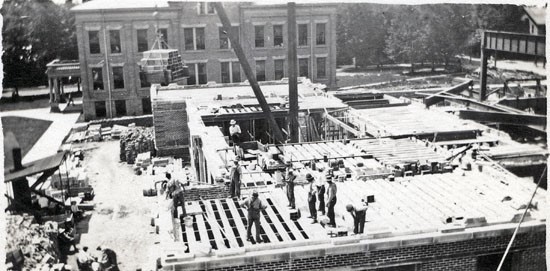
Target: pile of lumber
[(38, 243), (135, 141)]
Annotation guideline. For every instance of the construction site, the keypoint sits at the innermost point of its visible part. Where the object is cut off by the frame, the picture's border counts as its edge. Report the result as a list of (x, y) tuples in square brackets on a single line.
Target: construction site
[(443, 172)]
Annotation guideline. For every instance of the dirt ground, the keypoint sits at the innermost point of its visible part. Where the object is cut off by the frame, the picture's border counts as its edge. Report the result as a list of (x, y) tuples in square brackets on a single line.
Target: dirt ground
[(122, 215)]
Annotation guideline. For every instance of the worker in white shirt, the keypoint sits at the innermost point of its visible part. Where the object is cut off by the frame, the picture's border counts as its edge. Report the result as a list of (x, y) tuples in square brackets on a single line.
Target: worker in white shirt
[(84, 259), (235, 132), (358, 212)]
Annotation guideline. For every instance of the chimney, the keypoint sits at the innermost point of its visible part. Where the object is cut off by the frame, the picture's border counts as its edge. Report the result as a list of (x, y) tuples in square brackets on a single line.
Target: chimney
[(11, 145), (16, 152)]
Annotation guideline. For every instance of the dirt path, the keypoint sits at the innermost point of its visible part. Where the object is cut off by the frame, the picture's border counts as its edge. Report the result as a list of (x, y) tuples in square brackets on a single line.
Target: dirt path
[(121, 219)]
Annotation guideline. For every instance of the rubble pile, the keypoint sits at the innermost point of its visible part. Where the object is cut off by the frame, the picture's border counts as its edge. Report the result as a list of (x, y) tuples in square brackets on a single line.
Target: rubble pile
[(135, 141), (38, 243)]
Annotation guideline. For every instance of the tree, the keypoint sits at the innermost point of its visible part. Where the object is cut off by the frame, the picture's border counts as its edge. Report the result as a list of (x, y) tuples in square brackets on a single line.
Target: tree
[(408, 36), (35, 33)]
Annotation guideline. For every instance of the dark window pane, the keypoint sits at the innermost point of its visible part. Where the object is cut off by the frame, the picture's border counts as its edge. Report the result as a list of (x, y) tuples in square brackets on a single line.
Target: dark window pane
[(279, 69), (302, 34), (142, 40), (164, 37), (259, 35), (146, 106), (236, 70), (225, 72), (192, 75), (143, 80), (120, 108), (320, 31), (260, 70), (199, 39), (118, 77), (210, 8), (321, 67), (303, 67), (97, 78), (277, 35), (202, 7), (224, 38), (202, 73), (114, 37), (189, 39), (93, 37), (100, 109)]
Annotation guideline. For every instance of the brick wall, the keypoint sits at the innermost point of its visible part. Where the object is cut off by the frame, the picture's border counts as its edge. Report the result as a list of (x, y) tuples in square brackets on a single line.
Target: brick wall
[(171, 130), (207, 192), (461, 255)]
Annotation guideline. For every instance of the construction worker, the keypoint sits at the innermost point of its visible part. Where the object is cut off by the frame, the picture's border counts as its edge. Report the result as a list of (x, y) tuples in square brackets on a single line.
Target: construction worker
[(108, 259), (176, 192), (331, 201), (235, 175), (77, 213), (358, 212), (312, 198), (254, 205), (321, 192), (235, 132), (290, 188), (84, 260)]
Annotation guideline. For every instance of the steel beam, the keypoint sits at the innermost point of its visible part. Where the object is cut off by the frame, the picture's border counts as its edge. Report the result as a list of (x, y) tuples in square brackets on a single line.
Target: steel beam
[(501, 117), (436, 98), (233, 37)]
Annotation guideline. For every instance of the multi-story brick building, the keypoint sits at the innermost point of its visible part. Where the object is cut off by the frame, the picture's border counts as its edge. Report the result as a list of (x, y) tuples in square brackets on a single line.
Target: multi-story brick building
[(113, 34)]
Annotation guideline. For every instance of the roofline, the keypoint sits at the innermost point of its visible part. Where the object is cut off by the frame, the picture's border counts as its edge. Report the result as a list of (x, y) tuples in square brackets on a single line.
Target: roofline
[(297, 5), (531, 17), (114, 10)]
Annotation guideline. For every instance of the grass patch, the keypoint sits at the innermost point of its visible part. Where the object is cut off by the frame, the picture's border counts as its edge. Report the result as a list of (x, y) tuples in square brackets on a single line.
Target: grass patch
[(26, 130)]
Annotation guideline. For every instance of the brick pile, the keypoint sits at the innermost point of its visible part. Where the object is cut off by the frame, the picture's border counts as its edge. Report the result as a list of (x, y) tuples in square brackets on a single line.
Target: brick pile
[(37, 243), (206, 192), (171, 129), (135, 141)]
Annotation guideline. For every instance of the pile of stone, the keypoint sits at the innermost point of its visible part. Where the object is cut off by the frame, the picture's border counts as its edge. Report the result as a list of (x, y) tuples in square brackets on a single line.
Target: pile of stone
[(38, 243), (134, 141)]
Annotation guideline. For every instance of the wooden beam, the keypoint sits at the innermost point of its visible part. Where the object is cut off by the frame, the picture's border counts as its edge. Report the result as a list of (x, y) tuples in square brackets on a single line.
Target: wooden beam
[(233, 36), (344, 126), (502, 117), (436, 98)]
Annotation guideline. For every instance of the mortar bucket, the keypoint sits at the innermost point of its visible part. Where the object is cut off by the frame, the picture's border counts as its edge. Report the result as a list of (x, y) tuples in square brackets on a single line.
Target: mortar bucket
[(188, 221)]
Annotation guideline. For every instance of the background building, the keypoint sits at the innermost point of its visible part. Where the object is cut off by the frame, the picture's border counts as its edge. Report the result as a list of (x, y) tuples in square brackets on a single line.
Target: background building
[(113, 34)]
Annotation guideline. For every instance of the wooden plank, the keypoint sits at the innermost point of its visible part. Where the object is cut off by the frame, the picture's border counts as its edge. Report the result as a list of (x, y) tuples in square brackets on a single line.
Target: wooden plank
[(280, 229), (226, 226), (241, 227)]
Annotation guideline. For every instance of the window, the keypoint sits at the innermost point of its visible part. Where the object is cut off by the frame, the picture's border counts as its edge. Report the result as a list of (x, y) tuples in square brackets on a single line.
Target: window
[(164, 36), (260, 70), (97, 78), (302, 34), (118, 77), (206, 8), (225, 43), (231, 72), (143, 80), (259, 36), (278, 35), (320, 33), (100, 109), (197, 73), (279, 69), (321, 67), (142, 44), (120, 108), (146, 106), (114, 37), (194, 38), (93, 37), (303, 67)]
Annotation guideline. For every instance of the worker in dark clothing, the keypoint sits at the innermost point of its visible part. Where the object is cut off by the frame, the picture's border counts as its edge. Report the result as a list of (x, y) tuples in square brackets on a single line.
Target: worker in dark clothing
[(321, 196), (290, 188), (358, 212), (108, 259), (175, 191), (235, 175), (254, 205), (312, 198), (331, 198)]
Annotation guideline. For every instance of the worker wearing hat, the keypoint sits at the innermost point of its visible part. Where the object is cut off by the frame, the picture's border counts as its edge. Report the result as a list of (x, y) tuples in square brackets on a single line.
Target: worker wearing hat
[(312, 198), (254, 205), (290, 178), (331, 201), (358, 212), (235, 175), (235, 132)]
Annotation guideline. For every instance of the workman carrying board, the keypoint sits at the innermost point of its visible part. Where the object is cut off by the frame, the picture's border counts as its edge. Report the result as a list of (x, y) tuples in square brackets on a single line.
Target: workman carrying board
[(254, 205)]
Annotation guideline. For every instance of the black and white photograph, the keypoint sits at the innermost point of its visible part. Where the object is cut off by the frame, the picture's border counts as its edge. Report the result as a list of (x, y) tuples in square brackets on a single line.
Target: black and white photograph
[(172, 135)]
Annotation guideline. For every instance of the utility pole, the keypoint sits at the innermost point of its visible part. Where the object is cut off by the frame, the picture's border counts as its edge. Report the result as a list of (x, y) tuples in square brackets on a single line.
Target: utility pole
[(292, 74), (277, 134)]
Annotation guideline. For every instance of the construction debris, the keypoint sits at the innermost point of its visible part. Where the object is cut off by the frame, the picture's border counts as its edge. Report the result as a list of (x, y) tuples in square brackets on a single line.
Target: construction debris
[(134, 141)]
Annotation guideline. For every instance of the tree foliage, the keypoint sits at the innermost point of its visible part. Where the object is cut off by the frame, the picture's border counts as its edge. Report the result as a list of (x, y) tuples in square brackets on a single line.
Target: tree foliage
[(377, 34), (35, 33)]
